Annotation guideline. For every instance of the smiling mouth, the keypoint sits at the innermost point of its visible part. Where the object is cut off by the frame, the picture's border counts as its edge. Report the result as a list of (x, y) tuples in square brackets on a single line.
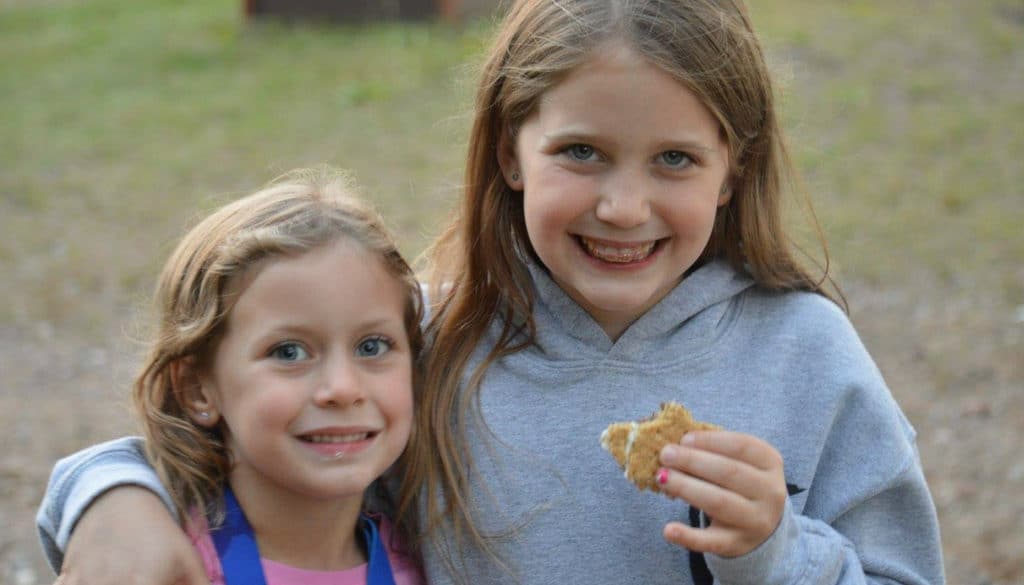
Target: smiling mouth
[(338, 446), (618, 254), (349, 438)]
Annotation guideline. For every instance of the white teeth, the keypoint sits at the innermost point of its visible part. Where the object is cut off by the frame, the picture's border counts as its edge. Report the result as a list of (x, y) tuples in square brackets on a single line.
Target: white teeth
[(618, 254), (337, 438)]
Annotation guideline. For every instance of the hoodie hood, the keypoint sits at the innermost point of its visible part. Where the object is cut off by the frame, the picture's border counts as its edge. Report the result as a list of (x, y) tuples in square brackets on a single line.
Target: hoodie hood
[(700, 303)]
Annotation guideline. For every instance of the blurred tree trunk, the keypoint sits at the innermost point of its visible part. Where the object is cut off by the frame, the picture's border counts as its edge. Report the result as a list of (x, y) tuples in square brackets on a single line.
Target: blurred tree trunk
[(354, 10)]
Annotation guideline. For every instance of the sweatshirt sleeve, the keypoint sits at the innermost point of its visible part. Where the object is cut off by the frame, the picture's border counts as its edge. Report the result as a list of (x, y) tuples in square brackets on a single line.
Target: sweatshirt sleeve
[(867, 515), (892, 537), (78, 479)]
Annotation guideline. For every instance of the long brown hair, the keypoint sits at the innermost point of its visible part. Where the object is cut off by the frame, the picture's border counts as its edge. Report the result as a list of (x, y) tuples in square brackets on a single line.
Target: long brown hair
[(300, 211), (477, 268)]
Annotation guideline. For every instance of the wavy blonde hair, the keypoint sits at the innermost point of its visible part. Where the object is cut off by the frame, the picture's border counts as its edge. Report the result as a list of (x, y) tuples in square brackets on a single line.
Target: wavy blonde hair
[(300, 211), (477, 265)]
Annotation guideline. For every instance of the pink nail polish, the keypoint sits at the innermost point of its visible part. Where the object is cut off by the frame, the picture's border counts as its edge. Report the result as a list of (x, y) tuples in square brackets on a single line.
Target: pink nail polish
[(662, 476)]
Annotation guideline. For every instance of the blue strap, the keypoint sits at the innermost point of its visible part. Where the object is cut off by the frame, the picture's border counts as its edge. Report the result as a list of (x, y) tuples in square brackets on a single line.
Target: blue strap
[(378, 568), (240, 556), (236, 546)]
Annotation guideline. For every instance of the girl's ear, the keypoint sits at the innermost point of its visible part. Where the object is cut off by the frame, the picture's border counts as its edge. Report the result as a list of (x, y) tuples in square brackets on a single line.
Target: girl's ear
[(195, 397), (509, 161), (725, 194)]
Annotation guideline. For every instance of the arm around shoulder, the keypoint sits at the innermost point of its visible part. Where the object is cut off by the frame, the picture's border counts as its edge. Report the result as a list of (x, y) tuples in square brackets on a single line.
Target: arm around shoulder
[(79, 479)]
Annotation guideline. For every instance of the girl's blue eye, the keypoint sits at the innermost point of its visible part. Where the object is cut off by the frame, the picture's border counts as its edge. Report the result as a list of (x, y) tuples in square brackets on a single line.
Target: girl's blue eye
[(676, 158), (289, 352), (373, 346), (581, 151)]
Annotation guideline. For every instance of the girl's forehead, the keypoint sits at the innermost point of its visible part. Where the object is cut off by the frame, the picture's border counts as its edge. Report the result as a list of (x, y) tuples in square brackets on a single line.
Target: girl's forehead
[(620, 74), (342, 251), (240, 281), (344, 270), (618, 57)]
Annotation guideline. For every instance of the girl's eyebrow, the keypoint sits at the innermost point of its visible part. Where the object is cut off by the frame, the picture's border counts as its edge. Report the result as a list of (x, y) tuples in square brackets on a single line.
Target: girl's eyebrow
[(575, 135), (382, 322), (687, 146), (288, 327), (567, 136)]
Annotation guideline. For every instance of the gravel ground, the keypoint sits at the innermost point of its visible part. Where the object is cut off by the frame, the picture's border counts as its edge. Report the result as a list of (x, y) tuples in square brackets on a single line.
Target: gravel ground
[(951, 356)]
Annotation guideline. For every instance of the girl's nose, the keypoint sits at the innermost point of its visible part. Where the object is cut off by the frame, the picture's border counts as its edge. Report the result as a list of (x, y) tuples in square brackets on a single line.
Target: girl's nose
[(624, 202), (340, 385)]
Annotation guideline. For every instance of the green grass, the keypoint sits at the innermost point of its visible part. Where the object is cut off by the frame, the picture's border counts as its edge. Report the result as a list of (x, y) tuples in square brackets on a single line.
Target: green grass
[(908, 122), (123, 119), (130, 117)]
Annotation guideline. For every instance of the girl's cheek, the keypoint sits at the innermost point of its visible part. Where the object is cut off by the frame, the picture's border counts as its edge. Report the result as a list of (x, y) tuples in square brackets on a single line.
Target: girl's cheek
[(404, 405), (278, 408), (404, 411)]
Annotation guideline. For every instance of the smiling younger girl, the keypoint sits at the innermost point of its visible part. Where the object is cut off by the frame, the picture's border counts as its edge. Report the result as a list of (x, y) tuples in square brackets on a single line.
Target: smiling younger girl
[(278, 387)]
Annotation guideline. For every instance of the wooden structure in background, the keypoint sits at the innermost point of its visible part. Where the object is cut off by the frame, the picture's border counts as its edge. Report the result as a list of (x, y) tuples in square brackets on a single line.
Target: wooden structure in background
[(362, 10)]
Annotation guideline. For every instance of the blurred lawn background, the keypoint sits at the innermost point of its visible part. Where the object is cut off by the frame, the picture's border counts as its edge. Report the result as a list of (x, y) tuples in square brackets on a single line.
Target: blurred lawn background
[(121, 121)]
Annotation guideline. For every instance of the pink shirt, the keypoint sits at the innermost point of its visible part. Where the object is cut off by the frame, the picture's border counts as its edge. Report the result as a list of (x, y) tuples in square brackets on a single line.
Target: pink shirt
[(403, 568)]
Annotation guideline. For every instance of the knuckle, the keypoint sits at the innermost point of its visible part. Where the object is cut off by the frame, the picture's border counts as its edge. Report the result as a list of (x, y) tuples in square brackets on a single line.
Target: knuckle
[(764, 526), (780, 497), (730, 471), (777, 493), (718, 501), (722, 548)]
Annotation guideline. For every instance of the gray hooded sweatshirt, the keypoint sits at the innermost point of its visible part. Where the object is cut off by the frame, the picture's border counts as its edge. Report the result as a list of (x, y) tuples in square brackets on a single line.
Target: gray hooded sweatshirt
[(786, 367)]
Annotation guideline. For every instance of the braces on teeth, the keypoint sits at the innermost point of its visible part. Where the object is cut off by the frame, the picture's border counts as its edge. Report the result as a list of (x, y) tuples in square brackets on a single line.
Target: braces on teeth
[(618, 255)]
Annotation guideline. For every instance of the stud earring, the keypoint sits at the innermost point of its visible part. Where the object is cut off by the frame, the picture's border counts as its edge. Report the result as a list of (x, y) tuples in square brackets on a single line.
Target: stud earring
[(204, 414), (515, 175)]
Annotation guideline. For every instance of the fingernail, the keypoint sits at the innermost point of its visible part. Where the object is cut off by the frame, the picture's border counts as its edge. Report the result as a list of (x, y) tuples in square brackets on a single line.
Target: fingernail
[(688, 439), (662, 476)]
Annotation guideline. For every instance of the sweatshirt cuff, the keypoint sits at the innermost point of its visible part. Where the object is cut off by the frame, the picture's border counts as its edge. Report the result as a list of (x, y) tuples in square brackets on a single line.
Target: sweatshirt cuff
[(80, 479), (769, 563)]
